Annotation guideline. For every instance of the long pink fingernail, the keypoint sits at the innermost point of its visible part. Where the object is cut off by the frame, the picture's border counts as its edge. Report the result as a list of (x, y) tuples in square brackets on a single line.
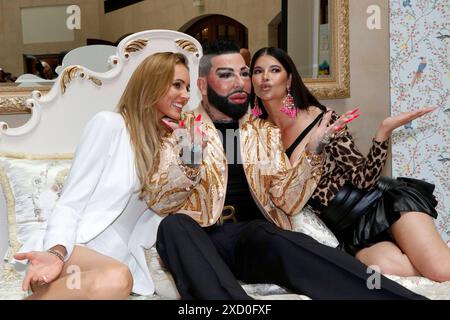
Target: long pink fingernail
[(354, 111), (182, 123), (352, 118), (199, 117)]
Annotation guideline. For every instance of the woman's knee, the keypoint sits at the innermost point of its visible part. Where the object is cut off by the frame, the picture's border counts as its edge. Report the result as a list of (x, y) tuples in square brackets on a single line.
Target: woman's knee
[(387, 259), (379, 255), (382, 264), (113, 282), (437, 271)]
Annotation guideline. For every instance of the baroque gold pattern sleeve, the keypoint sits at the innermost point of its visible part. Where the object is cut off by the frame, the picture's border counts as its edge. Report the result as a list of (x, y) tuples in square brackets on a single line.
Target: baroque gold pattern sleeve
[(291, 187), (280, 188), (171, 184), (206, 200)]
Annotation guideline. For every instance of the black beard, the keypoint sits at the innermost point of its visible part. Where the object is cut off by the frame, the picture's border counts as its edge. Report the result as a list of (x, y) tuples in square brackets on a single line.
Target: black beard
[(235, 111)]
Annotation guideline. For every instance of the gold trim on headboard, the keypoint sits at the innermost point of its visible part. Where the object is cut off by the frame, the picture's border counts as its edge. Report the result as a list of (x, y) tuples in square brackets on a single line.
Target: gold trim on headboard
[(187, 46), (95, 81), (136, 45), (70, 73)]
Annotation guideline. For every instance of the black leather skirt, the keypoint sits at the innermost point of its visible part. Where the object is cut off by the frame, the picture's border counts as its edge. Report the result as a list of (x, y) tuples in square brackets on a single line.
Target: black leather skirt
[(362, 218)]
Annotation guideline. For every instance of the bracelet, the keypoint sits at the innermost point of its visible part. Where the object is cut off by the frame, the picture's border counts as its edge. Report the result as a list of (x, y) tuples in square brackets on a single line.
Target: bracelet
[(192, 172), (313, 158), (56, 253)]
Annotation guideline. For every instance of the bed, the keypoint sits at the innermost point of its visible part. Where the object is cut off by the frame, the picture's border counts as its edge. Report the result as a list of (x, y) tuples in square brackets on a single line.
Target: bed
[(36, 157)]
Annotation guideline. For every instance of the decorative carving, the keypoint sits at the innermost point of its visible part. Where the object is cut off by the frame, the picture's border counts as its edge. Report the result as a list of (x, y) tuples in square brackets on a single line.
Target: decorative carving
[(13, 105), (95, 81), (187, 45), (68, 75), (71, 72), (136, 45)]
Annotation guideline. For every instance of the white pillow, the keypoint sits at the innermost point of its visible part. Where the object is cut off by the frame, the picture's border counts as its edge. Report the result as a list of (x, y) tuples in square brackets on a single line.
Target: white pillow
[(164, 283), (31, 185), (310, 224)]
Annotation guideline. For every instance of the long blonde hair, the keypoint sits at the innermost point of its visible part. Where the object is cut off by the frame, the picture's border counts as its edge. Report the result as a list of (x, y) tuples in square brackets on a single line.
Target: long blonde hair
[(149, 83)]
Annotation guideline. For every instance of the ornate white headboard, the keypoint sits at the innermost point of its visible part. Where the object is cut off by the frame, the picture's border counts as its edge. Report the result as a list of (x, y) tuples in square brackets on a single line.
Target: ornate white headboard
[(58, 118), (78, 93)]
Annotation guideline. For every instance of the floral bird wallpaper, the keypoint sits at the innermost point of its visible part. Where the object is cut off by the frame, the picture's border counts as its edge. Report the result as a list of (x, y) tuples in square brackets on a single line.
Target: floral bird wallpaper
[(420, 77)]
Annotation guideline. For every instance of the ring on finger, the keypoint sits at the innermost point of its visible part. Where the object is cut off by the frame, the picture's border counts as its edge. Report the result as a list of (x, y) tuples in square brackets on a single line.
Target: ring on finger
[(326, 138)]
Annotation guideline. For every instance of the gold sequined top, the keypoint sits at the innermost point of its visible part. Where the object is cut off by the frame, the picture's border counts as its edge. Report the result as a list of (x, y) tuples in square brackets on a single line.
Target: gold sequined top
[(202, 198), (280, 189)]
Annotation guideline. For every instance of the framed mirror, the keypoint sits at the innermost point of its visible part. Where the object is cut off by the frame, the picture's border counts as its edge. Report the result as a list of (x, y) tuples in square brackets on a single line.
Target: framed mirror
[(316, 36)]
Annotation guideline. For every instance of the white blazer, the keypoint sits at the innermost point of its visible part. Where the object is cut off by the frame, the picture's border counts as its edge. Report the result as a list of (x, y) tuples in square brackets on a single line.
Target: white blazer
[(101, 184)]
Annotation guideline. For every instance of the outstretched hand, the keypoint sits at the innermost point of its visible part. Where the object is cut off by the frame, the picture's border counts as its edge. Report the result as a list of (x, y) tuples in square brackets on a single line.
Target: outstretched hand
[(44, 268), (391, 123)]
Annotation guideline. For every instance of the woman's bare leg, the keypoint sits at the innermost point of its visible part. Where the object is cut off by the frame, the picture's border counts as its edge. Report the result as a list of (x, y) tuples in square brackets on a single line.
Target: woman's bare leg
[(388, 258), (417, 236), (88, 275)]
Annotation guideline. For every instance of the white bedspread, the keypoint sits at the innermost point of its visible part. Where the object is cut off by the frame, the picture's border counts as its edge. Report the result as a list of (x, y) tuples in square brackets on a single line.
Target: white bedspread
[(10, 287)]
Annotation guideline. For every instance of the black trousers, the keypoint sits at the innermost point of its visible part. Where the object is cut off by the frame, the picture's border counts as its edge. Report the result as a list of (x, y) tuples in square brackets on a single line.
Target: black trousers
[(207, 262)]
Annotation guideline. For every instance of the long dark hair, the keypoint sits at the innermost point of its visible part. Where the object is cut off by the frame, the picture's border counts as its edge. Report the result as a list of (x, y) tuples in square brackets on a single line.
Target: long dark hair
[(303, 98)]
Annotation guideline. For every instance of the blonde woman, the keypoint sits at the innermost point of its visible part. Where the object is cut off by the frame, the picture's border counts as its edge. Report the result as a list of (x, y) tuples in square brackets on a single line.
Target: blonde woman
[(92, 248)]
